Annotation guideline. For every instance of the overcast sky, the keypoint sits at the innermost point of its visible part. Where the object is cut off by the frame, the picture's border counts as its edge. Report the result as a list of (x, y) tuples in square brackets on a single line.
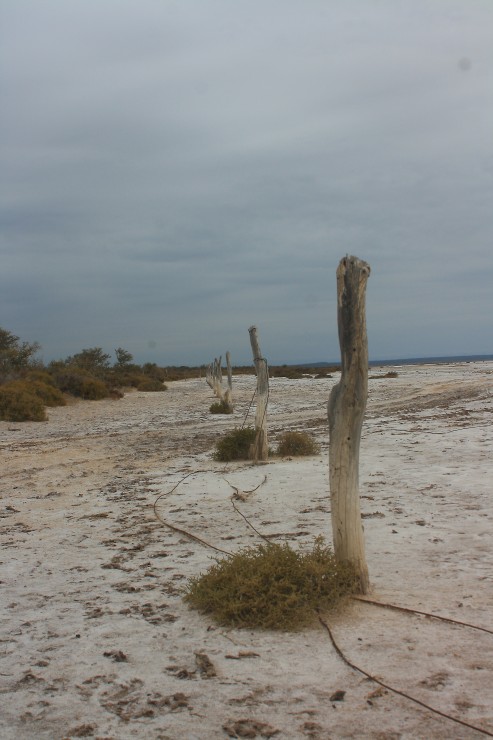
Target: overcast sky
[(173, 171)]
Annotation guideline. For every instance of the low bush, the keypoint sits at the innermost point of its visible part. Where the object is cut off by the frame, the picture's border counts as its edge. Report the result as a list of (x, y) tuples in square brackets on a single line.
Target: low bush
[(81, 384), (150, 385), (19, 403), (154, 371), (297, 444), (271, 587), (43, 376), (235, 445), (49, 394), (221, 407)]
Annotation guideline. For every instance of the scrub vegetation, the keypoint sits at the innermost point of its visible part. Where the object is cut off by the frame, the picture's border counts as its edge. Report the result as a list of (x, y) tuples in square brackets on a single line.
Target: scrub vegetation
[(272, 587), (296, 444), (235, 445), (28, 387), (221, 407)]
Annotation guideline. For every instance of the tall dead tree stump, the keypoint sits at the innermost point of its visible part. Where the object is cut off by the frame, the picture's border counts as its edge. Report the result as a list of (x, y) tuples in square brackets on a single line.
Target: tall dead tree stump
[(260, 448), (346, 409)]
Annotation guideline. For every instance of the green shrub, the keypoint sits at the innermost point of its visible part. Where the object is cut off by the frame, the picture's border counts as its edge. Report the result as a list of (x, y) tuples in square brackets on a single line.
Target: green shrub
[(92, 389), (19, 403), (93, 361), (150, 384), (221, 407), (81, 384), (235, 445), (272, 587), (15, 356), (48, 393), (297, 444), (154, 371), (42, 375)]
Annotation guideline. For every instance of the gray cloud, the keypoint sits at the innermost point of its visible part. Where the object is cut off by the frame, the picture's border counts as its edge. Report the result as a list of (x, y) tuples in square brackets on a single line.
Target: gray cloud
[(173, 172)]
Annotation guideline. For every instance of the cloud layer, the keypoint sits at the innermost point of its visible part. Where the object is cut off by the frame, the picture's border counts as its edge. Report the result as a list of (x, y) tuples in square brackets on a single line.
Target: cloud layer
[(174, 172)]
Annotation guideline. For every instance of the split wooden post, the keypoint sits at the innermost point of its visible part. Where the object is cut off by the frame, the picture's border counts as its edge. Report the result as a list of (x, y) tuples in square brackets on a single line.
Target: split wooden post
[(346, 409), (260, 448)]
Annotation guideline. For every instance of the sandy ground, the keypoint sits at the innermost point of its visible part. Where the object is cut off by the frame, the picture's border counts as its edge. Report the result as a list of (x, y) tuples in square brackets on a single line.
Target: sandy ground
[(96, 641)]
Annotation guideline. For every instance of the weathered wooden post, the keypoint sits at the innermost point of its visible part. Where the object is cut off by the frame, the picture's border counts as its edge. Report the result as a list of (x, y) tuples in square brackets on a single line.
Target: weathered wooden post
[(214, 379), (217, 377), (228, 394), (346, 409), (209, 376), (260, 448)]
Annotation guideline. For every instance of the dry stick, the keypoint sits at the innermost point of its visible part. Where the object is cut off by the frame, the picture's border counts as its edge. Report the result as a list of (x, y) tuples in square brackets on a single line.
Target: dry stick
[(235, 488), (189, 534), (183, 531), (248, 522), (397, 691), (424, 614)]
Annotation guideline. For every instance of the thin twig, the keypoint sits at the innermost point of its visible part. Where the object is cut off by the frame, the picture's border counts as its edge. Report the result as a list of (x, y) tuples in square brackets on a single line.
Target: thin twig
[(424, 614), (397, 691), (248, 522), (183, 531), (235, 488)]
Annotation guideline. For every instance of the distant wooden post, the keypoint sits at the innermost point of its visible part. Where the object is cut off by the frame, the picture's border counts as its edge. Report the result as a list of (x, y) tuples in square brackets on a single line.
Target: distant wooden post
[(260, 448), (214, 378), (209, 376), (346, 409), (218, 377), (228, 394)]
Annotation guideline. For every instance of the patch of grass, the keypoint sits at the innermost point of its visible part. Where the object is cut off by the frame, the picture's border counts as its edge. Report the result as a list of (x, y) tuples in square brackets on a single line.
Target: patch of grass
[(294, 444), (221, 407), (235, 445), (271, 587), (390, 374)]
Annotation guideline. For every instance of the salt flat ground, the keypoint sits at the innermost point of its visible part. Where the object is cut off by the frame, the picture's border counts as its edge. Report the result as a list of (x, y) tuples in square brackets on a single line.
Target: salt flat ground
[(95, 638)]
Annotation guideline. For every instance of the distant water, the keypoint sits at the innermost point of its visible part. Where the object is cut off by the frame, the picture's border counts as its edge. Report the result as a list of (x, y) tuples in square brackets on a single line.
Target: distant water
[(432, 360), (410, 361)]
